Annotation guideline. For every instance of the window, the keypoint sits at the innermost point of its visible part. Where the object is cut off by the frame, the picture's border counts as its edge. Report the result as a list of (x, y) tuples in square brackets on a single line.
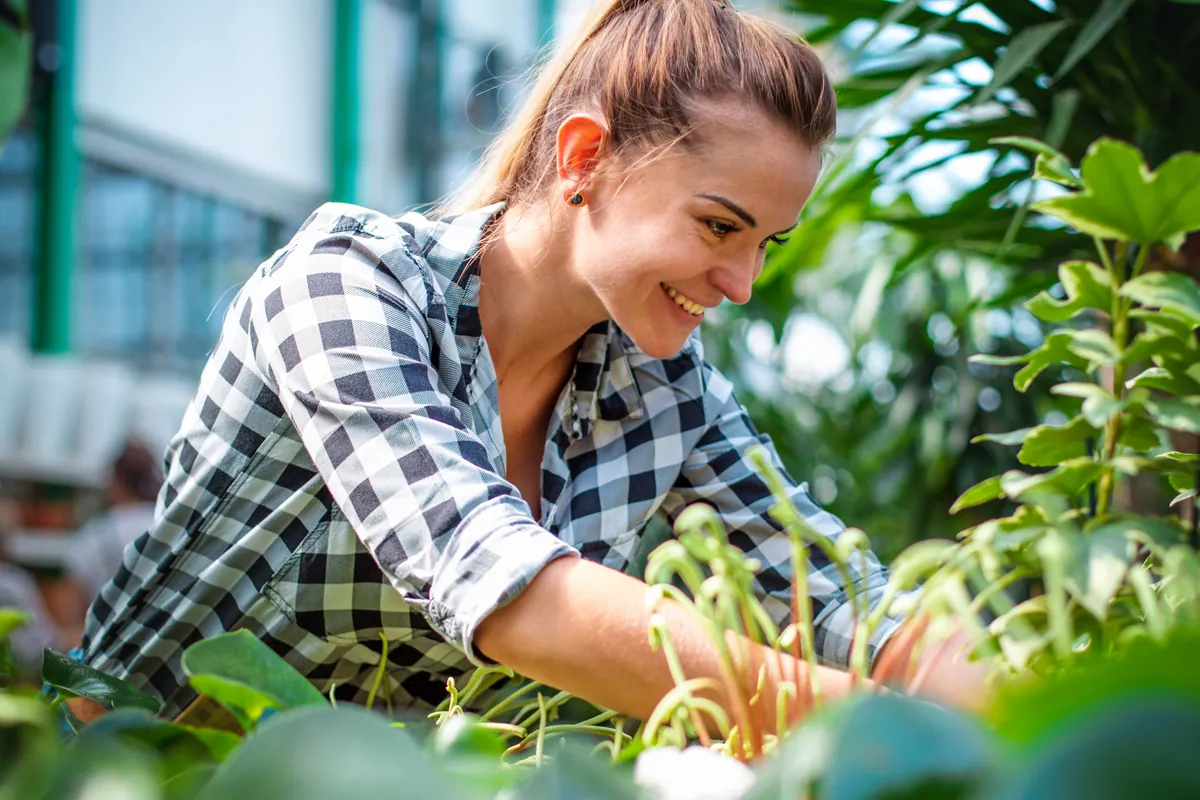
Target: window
[(18, 170), (158, 267)]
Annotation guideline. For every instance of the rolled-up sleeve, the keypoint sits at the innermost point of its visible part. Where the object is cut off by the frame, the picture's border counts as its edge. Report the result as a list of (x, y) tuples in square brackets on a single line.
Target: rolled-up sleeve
[(717, 471), (353, 360)]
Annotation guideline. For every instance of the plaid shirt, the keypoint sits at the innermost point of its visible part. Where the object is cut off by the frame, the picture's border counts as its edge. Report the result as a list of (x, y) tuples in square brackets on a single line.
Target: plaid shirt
[(339, 474)]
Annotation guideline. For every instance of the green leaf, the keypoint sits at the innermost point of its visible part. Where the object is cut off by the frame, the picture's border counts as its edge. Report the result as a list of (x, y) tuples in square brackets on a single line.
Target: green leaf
[(318, 753), (1050, 165), (1098, 403), (1067, 480), (1020, 52), (978, 494), (1007, 439), (1097, 568), (1178, 415), (11, 619), (79, 680), (1107, 747), (247, 677), (1135, 529), (1056, 349), (30, 749), (1094, 346), (880, 746), (1048, 446), (1107, 15), (1087, 286), (573, 774), (1172, 292), (180, 749), (16, 61), (1162, 380), (1123, 199)]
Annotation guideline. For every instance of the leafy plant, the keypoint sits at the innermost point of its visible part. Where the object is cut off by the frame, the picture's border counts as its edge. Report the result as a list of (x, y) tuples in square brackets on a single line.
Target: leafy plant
[(1108, 574)]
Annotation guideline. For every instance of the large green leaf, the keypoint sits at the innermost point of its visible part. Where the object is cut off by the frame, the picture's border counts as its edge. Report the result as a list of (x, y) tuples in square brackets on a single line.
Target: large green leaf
[(880, 746), (79, 680), (1144, 747), (247, 677), (16, 47), (1172, 292), (1123, 199), (319, 753)]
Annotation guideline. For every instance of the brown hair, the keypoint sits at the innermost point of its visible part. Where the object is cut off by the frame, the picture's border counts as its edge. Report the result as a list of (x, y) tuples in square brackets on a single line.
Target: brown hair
[(643, 64), (136, 470)]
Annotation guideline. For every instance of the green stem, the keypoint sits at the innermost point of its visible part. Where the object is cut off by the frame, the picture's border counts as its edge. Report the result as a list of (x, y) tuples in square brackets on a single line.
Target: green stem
[(379, 673), (1120, 334), (507, 702)]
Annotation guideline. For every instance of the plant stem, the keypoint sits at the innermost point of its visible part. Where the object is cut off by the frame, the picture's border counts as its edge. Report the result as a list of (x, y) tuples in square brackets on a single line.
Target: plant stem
[(1120, 335)]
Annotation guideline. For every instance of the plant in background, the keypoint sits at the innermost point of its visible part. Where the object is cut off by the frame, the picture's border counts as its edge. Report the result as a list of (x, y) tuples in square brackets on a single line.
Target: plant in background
[(1108, 575), (911, 279), (16, 59)]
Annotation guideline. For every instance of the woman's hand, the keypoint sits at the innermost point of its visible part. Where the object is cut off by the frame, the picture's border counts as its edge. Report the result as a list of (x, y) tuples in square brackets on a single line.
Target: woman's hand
[(943, 671)]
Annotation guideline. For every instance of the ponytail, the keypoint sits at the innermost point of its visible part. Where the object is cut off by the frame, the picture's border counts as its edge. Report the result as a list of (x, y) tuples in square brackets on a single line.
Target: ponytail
[(643, 64)]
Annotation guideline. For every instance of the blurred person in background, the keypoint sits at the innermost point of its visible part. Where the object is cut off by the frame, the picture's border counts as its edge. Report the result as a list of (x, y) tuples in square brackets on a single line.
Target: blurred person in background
[(441, 436), (97, 548)]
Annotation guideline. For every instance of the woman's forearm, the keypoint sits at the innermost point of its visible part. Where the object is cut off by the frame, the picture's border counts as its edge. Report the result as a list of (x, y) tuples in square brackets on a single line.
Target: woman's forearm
[(582, 627)]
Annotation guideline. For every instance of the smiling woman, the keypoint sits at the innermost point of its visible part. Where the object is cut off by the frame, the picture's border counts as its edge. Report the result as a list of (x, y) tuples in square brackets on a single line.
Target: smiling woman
[(433, 442)]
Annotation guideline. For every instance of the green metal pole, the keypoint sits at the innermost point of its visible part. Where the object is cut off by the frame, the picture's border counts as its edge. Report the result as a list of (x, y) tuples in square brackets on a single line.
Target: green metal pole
[(57, 197), (346, 100)]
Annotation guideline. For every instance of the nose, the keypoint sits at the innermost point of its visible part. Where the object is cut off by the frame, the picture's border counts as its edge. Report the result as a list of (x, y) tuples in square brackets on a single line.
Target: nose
[(735, 283)]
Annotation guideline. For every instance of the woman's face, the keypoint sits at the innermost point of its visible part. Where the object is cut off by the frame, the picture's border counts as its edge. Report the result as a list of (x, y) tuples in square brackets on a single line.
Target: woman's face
[(664, 242)]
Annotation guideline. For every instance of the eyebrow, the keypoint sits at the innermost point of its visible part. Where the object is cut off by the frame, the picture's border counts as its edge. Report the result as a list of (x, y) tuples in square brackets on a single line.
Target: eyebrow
[(736, 209), (732, 206)]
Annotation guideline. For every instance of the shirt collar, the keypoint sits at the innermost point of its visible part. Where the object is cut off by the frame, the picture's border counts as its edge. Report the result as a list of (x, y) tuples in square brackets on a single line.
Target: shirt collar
[(602, 385)]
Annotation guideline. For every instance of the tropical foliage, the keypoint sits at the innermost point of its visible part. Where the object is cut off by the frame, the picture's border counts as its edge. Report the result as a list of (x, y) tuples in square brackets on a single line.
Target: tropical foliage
[(919, 246)]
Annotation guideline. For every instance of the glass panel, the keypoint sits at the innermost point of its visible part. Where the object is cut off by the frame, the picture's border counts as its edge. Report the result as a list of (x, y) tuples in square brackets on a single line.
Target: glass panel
[(159, 267), (18, 162)]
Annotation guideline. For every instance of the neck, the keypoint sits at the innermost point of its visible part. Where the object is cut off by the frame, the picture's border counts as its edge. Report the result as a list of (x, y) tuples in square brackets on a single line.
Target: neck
[(533, 307)]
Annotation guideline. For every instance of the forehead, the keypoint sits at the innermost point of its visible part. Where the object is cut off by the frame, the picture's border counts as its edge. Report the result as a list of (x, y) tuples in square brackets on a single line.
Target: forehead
[(738, 151)]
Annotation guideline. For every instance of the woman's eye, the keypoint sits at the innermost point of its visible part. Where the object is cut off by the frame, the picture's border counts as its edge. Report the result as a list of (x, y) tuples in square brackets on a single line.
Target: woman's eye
[(720, 229), (775, 239)]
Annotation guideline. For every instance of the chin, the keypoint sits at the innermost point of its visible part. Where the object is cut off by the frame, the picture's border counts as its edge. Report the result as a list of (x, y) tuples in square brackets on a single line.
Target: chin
[(656, 345)]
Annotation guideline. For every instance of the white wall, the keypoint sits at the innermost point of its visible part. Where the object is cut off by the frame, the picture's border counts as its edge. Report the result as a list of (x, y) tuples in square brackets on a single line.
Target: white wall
[(386, 70), (236, 84)]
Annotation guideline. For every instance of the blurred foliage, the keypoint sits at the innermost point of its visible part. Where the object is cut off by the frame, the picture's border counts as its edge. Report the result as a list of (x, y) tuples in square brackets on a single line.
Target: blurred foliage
[(916, 247), (16, 43)]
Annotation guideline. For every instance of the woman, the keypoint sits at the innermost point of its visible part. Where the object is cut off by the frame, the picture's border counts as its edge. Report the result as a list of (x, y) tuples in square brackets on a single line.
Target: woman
[(414, 428)]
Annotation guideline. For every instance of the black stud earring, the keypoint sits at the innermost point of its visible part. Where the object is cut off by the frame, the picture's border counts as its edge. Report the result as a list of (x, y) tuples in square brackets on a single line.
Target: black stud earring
[(575, 199)]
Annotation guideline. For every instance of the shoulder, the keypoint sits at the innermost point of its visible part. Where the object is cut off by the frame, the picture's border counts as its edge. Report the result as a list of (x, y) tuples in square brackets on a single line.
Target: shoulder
[(359, 235), (345, 249)]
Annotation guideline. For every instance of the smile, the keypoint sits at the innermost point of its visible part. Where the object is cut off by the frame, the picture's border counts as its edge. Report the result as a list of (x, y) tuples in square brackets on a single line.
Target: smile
[(690, 306)]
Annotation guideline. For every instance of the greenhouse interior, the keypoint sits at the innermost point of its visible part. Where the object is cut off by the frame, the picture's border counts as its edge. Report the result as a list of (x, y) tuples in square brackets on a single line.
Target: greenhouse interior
[(590, 399)]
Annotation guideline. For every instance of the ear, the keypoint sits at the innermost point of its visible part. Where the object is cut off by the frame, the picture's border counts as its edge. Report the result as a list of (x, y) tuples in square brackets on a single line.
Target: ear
[(582, 138)]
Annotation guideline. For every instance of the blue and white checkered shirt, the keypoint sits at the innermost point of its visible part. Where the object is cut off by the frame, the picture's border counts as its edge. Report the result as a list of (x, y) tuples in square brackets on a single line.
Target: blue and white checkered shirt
[(340, 474)]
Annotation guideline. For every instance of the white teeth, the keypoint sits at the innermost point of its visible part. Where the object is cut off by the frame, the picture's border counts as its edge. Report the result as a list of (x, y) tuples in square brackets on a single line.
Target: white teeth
[(695, 309)]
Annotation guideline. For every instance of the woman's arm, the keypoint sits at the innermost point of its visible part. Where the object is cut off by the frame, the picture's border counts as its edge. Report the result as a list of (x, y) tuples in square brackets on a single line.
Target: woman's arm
[(583, 628)]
